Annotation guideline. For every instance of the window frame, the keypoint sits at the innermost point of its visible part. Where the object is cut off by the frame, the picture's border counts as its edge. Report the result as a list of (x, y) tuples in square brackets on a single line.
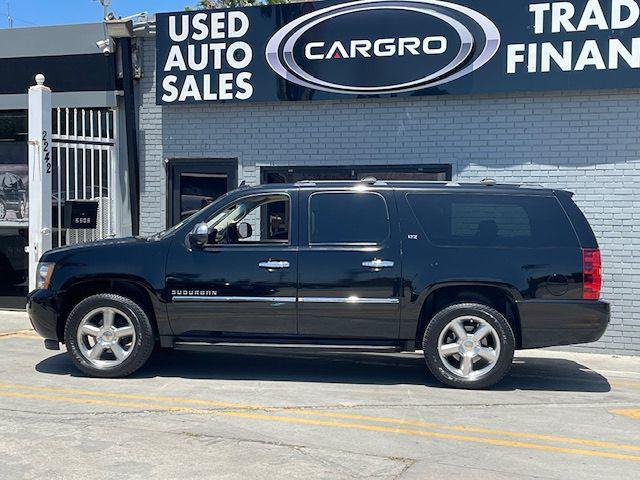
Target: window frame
[(348, 244), (210, 246), (351, 172)]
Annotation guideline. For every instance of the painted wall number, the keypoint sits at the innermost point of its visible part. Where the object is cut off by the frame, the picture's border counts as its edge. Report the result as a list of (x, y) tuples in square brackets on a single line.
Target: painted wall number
[(45, 152)]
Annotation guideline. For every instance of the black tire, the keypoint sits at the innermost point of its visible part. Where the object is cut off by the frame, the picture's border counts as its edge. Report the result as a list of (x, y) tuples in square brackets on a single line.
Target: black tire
[(22, 208), (142, 347), (3, 209), (495, 319)]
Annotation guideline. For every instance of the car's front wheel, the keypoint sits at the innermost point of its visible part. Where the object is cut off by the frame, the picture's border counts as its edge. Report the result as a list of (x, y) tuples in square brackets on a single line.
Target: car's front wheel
[(109, 336), (469, 345)]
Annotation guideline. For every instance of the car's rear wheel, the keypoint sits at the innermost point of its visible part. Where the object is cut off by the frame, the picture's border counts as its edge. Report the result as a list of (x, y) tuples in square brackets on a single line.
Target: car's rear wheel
[(3, 209), (22, 209), (109, 336), (469, 345)]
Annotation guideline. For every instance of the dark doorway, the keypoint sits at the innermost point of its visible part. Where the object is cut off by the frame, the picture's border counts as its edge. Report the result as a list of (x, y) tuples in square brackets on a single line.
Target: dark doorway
[(358, 172), (195, 183)]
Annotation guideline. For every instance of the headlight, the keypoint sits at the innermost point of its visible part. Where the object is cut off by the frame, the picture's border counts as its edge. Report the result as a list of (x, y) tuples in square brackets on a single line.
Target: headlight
[(43, 275)]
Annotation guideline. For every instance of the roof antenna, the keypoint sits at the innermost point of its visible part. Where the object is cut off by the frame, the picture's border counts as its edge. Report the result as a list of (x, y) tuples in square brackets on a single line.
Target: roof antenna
[(9, 17), (105, 6)]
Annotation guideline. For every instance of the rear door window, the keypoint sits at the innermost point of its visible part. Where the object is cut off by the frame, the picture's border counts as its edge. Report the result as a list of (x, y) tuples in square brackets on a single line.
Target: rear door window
[(345, 218), (493, 220)]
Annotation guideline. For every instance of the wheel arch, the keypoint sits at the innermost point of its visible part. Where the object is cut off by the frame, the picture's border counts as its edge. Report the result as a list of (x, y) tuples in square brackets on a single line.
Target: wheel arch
[(135, 289), (501, 297)]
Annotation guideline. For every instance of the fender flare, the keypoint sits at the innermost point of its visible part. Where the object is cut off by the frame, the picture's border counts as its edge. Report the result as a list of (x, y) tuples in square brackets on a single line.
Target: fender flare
[(157, 304)]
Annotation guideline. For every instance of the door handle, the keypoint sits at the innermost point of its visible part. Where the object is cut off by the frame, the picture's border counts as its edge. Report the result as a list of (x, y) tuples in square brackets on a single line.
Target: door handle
[(274, 264), (377, 263)]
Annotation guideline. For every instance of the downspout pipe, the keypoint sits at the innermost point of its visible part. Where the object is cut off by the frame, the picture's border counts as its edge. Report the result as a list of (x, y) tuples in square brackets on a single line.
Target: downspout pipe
[(133, 157)]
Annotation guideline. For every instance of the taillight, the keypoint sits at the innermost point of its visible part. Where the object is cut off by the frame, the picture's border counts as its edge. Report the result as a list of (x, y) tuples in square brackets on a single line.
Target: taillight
[(591, 274)]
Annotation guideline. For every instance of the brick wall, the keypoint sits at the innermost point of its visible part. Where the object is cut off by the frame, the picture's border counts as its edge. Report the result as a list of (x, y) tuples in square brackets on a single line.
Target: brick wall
[(584, 142)]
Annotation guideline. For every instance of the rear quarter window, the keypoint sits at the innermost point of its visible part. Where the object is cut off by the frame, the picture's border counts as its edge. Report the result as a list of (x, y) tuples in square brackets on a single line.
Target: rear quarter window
[(480, 220)]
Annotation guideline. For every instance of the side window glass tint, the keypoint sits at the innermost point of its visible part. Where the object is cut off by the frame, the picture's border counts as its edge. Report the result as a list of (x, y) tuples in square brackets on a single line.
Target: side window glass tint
[(348, 218), (493, 220), (259, 219)]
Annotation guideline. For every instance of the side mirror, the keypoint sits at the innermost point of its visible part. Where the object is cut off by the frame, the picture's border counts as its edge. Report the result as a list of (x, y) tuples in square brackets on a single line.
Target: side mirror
[(199, 235), (244, 230)]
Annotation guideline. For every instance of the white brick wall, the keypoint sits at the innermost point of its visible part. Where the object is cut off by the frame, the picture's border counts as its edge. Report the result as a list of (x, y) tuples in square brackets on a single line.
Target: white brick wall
[(586, 142)]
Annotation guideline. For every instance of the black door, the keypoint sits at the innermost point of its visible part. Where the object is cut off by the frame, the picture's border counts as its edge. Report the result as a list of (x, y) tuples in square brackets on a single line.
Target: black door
[(244, 281), (195, 183), (349, 265)]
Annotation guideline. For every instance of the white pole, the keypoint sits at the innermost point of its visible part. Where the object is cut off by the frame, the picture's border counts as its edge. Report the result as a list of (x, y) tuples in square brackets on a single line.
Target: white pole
[(40, 173)]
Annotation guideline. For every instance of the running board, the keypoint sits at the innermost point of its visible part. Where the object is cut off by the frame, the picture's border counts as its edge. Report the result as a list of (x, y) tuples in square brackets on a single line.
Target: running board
[(208, 345)]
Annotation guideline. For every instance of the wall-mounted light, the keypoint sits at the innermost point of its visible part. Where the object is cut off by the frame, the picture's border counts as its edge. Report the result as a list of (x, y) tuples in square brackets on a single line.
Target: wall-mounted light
[(119, 28)]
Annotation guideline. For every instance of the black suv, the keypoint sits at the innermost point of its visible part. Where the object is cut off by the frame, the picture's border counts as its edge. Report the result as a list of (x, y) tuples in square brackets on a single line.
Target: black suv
[(466, 272)]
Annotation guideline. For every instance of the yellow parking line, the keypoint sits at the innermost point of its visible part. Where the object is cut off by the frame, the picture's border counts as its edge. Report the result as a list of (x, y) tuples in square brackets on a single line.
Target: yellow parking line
[(630, 412), (306, 421), (91, 401), (307, 412), (132, 396), (488, 431), (624, 383), (19, 334)]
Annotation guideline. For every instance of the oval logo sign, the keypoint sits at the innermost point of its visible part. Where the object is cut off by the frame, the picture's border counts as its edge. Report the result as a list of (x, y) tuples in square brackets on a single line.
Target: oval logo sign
[(418, 44)]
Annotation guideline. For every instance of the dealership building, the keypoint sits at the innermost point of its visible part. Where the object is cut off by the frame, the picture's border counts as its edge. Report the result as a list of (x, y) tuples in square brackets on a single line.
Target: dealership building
[(427, 90)]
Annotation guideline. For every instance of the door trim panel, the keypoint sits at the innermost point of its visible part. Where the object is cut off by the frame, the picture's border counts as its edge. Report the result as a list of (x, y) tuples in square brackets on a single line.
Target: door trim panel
[(187, 298), (348, 300)]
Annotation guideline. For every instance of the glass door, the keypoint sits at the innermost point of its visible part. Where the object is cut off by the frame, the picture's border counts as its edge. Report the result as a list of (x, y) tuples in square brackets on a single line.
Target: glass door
[(14, 209)]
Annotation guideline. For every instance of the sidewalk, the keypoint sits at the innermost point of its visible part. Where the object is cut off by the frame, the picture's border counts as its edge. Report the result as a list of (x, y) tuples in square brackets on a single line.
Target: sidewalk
[(12, 321)]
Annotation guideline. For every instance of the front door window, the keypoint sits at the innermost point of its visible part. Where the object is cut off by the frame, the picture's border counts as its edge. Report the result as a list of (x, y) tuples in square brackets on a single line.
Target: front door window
[(258, 219)]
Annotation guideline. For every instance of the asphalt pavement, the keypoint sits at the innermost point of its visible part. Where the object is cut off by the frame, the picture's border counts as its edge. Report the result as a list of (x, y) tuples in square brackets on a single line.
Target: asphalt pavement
[(247, 412)]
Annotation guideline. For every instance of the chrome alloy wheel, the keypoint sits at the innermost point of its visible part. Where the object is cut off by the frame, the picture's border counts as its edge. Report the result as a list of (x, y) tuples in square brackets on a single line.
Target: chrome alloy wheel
[(106, 337), (469, 347)]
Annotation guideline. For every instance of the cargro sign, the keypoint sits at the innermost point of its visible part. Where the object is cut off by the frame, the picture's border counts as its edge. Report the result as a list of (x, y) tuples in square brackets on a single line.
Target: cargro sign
[(374, 48)]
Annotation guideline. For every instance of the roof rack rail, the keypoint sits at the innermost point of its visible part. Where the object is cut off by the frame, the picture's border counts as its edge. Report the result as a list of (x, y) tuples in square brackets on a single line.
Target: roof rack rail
[(447, 183)]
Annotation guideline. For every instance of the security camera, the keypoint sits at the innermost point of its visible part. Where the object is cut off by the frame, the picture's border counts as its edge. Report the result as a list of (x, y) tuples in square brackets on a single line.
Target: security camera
[(106, 46)]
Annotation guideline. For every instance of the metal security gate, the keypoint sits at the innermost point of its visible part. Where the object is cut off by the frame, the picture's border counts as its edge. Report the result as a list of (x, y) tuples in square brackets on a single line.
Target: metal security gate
[(84, 168)]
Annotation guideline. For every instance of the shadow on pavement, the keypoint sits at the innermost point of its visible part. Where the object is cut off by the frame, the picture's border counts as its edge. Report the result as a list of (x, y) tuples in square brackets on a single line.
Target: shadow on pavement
[(303, 365)]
